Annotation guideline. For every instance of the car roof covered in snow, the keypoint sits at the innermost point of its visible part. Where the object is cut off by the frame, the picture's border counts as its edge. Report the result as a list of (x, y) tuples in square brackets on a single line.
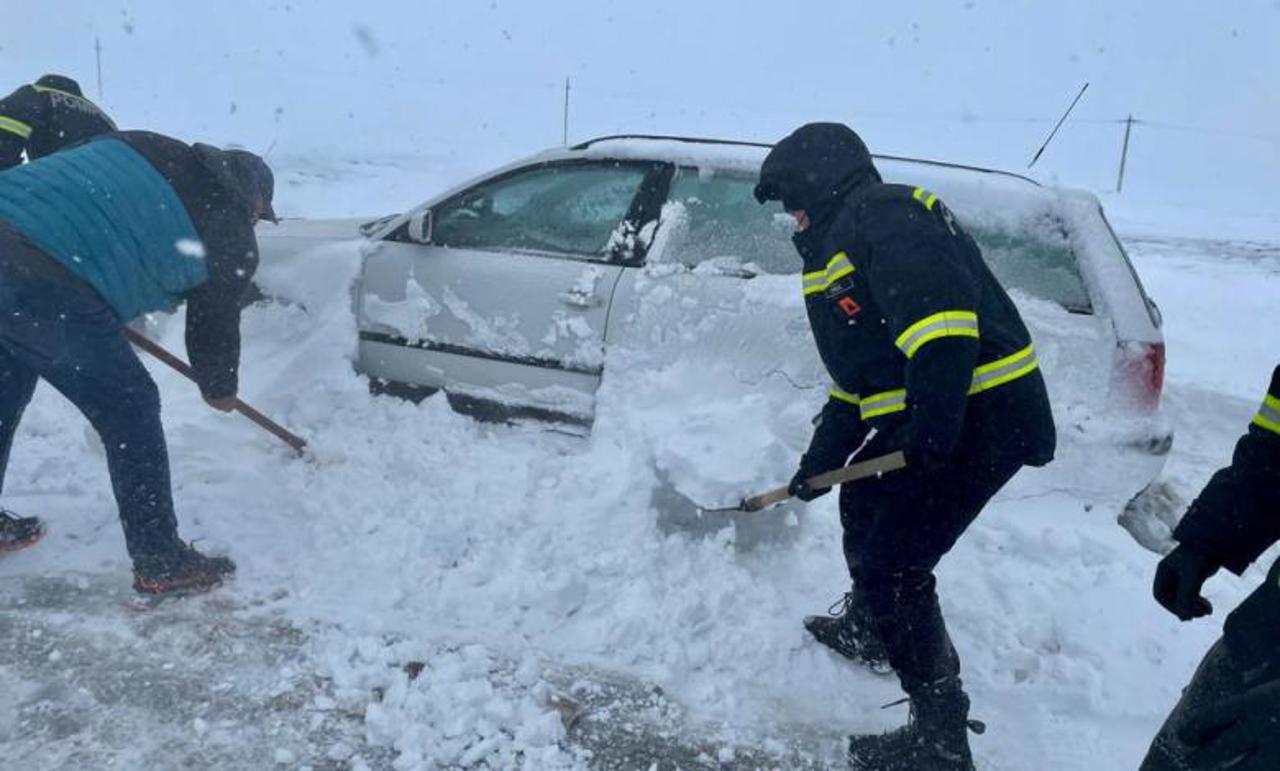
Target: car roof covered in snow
[(747, 156)]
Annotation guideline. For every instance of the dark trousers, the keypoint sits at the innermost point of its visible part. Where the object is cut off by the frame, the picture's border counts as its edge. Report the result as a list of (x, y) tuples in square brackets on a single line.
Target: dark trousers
[(1218, 677), (896, 530), (56, 327)]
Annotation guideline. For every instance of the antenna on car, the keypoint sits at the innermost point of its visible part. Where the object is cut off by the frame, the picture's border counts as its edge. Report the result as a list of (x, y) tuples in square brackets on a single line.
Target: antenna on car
[(1055, 128)]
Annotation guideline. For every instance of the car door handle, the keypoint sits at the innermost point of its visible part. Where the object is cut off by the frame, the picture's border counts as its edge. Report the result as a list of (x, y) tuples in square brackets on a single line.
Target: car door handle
[(579, 299)]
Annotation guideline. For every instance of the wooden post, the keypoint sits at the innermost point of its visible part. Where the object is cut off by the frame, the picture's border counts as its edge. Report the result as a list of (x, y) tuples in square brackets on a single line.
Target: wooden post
[(1124, 152), (565, 136), (97, 50)]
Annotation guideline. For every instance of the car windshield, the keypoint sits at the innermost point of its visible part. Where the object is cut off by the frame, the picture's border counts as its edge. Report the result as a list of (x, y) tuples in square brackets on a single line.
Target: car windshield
[(713, 217)]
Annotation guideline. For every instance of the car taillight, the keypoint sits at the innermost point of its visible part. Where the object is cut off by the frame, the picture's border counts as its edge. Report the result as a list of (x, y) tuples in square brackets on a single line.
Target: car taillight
[(1140, 371)]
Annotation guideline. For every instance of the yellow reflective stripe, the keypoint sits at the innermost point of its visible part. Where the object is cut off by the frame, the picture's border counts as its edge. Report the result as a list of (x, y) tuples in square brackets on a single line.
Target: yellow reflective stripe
[(820, 280), (925, 197), (986, 377), (46, 89), (844, 396), (1001, 371), (1268, 416), (14, 126), (884, 403), (944, 324)]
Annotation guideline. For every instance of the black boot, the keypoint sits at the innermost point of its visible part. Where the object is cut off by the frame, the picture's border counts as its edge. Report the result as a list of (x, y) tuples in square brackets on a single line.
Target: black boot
[(934, 738), (17, 533), (185, 571), (847, 630)]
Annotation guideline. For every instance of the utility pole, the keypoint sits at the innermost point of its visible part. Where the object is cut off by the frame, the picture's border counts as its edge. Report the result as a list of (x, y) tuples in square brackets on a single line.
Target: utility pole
[(97, 50), (566, 111), (1124, 152)]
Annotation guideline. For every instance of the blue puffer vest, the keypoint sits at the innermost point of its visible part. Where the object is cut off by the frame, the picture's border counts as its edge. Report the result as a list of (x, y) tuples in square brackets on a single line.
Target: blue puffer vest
[(106, 214)]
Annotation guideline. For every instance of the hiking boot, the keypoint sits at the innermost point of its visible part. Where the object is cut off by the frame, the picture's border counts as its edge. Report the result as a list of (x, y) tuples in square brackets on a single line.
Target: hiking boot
[(185, 571), (934, 739), (18, 533), (847, 630)]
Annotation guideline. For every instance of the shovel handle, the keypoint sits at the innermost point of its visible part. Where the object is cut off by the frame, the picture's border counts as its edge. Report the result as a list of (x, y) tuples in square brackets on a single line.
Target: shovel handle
[(861, 470), (155, 349)]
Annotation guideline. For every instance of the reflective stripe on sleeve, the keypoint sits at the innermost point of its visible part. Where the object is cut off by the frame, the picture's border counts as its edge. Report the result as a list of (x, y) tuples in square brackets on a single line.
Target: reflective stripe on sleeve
[(944, 324), (14, 126), (1268, 416), (836, 393), (925, 197), (1001, 371), (820, 280)]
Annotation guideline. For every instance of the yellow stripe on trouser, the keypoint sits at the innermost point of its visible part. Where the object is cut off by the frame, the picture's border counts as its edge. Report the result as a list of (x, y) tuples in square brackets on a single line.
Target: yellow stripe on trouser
[(944, 324), (986, 377), (1268, 416), (14, 126), (820, 280)]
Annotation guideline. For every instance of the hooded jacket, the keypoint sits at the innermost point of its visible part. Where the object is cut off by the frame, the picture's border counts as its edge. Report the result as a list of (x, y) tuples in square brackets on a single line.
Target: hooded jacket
[(1236, 518), (45, 117), (918, 336), (149, 222)]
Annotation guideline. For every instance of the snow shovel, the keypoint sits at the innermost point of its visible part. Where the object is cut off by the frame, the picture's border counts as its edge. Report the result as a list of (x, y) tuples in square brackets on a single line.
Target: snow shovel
[(298, 444), (867, 468)]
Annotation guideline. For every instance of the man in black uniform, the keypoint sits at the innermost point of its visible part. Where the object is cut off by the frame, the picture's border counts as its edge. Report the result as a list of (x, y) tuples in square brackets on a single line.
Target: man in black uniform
[(46, 116), (1229, 716), (925, 347)]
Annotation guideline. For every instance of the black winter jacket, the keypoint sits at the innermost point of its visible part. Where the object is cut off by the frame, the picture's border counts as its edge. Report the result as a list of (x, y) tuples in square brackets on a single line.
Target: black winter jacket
[(43, 119), (1237, 517), (910, 323), (217, 210)]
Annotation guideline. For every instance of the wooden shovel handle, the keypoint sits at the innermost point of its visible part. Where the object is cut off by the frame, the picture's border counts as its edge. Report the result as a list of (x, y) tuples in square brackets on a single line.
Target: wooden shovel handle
[(861, 470), (155, 349)]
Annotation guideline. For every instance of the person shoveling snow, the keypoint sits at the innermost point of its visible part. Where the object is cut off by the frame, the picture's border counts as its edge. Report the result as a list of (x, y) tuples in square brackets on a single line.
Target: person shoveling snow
[(925, 347), (91, 238)]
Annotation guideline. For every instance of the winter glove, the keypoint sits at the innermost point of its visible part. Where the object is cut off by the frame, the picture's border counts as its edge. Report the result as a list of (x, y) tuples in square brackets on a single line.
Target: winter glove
[(1179, 577), (837, 432), (1241, 733), (799, 487)]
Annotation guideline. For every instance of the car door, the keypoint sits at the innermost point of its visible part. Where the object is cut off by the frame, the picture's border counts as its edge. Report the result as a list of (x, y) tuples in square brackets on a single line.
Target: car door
[(506, 295)]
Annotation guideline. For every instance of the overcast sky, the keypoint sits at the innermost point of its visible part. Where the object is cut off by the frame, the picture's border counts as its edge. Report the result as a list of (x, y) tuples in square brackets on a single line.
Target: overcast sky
[(978, 81)]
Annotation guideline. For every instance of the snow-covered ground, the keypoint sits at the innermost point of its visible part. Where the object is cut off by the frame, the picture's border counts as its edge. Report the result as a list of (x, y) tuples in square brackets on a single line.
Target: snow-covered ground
[(425, 591)]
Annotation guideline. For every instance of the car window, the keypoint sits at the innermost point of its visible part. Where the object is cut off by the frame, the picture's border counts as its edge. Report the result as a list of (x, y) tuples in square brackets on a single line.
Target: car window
[(716, 217), (569, 209), (1034, 256)]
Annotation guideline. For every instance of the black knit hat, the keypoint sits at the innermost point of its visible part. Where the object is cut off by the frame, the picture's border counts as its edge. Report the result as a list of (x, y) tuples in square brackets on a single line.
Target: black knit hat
[(245, 174)]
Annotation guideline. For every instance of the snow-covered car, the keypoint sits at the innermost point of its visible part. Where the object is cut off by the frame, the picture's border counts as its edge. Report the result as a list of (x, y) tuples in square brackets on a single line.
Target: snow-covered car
[(531, 286)]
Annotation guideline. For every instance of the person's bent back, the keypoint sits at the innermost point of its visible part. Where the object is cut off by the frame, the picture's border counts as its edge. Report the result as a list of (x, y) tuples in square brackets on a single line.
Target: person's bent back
[(91, 238)]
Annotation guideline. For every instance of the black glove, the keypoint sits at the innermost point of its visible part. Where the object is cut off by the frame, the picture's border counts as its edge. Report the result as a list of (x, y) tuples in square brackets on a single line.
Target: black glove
[(1241, 733), (1179, 577), (799, 487)]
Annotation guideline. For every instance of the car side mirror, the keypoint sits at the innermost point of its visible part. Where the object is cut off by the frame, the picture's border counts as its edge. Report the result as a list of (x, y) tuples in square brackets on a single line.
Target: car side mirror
[(420, 227)]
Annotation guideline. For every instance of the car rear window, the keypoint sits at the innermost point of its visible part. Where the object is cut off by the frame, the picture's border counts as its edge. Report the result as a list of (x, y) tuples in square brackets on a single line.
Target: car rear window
[(1035, 257), (715, 217)]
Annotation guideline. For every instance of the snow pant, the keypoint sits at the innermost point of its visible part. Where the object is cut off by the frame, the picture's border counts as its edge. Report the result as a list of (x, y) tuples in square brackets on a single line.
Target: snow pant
[(56, 327), (1218, 677), (1247, 654), (896, 529)]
